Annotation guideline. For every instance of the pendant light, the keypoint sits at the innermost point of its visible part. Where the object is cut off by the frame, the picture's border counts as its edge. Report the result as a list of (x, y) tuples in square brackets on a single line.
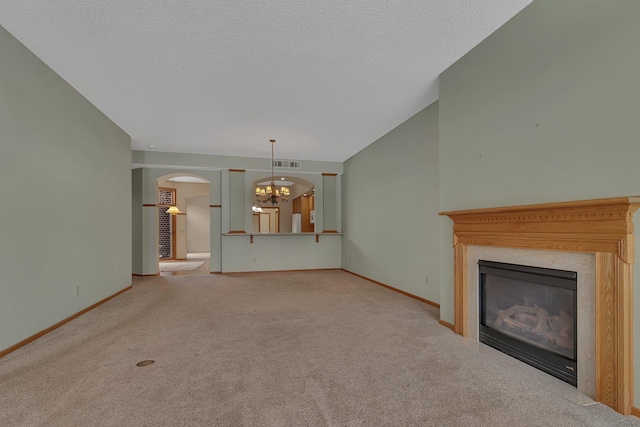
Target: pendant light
[(173, 209)]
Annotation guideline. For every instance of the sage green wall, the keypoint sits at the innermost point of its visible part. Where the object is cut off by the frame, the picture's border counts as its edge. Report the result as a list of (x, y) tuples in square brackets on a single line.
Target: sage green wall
[(280, 252), (330, 202), (390, 208), (198, 220), (66, 173), (543, 110), (237, 206), (211, 162), (137, 243)]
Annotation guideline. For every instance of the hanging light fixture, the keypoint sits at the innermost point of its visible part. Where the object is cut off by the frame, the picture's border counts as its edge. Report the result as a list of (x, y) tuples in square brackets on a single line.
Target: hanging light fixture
[(173, 209), (270, 194)]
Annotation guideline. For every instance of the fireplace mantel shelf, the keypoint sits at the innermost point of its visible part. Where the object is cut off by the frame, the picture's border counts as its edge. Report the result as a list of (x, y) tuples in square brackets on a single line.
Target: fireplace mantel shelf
[(613, 203), (600, 225), (603, 227)]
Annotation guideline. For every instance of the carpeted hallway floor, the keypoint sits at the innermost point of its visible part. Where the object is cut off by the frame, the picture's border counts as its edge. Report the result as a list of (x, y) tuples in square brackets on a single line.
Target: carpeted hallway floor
[(272, 349)]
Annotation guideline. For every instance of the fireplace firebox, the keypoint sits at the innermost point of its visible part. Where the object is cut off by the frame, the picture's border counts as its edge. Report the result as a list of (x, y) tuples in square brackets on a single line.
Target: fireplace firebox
[(529, 313)]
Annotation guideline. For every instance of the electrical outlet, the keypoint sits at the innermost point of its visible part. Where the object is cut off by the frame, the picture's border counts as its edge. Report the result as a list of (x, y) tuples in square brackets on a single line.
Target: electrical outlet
[(426, 280), (77, 290), (254, 260)]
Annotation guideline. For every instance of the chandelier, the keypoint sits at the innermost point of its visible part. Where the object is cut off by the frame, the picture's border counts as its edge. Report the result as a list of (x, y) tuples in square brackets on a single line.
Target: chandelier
[(269, 193)]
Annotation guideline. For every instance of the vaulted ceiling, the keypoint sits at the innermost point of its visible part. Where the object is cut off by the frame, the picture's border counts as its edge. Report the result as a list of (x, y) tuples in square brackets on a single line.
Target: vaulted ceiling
[(324, 78)]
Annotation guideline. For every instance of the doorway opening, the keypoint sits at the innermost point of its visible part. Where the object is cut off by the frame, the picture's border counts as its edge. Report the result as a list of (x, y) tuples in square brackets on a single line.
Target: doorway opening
[(183, 238), (267, 220)]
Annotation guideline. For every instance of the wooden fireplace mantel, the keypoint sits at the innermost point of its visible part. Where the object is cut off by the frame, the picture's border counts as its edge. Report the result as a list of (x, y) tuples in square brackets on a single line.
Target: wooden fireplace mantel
[(603, 227)]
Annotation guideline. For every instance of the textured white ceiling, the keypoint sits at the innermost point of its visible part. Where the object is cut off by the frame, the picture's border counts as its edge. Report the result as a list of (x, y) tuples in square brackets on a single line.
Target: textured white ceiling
[(324, 78)]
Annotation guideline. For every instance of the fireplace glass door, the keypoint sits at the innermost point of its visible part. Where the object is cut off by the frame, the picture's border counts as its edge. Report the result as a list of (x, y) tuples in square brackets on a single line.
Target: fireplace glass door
[(530, 314)]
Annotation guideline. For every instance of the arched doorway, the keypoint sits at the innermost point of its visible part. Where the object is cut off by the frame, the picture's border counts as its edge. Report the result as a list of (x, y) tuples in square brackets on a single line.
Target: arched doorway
[(183, 238), (294, 215)]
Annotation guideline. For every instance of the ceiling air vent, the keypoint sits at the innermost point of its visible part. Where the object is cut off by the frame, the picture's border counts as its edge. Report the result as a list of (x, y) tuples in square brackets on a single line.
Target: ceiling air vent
[(290, 164)]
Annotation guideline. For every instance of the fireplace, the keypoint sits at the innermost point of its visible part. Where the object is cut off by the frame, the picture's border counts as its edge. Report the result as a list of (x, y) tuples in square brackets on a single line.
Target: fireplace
[(530, 313), (602, 228)]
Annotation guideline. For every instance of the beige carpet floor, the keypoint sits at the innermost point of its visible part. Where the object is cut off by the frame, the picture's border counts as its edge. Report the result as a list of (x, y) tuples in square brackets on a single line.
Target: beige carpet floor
[(271, 349), (180, 265)]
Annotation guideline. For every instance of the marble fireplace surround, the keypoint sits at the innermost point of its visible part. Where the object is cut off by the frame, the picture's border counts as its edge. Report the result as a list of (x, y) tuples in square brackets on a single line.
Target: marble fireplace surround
[(602, 228)]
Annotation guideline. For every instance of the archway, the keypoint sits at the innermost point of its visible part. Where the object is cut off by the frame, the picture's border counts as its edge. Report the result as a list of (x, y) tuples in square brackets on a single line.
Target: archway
[(294, 215), (183, 238)]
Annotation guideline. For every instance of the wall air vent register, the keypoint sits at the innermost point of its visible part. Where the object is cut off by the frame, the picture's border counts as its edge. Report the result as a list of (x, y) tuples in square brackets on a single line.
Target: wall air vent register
[(287, 164)]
